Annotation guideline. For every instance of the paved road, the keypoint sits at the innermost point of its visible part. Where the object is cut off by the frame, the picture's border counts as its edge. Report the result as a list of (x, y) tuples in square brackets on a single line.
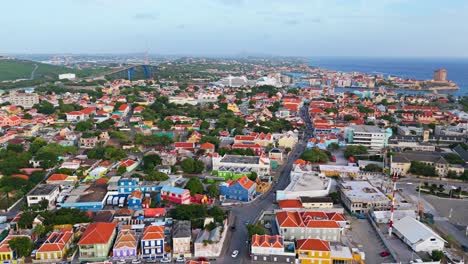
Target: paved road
[(251, 212), (34, 71), (441, 221)]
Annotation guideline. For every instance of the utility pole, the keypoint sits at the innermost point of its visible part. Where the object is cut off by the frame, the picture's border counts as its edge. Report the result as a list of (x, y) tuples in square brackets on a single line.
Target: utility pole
[(390, 228)]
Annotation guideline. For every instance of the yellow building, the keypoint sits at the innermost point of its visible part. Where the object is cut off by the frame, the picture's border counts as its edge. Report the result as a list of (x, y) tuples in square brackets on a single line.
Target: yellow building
[(233, 107), (55, 247), (345, 255), (5, 251), (313, 251)]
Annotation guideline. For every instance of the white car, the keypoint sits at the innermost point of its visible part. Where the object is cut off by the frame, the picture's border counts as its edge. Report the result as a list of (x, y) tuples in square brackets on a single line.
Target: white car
[(121, 262), (235, 253), (136, 261), (180, 259), (165, 260)]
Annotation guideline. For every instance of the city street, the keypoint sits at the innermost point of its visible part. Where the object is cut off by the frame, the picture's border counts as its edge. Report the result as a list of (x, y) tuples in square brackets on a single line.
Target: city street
[(249, 213)]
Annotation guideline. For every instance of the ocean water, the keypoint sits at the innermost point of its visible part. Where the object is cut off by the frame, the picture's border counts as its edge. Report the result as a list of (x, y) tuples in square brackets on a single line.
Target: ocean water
[(417, 68)]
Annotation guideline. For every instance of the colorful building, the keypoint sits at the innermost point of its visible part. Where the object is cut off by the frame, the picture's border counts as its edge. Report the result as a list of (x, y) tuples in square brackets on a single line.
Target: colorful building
[(125, 246), (55, 247), (312, 251), (152, 242), (242, 189), (175, 195), (96, 241)]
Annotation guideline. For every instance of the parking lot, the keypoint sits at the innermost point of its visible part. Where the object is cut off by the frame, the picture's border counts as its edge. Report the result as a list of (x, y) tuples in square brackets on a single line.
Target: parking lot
[(362, 236)]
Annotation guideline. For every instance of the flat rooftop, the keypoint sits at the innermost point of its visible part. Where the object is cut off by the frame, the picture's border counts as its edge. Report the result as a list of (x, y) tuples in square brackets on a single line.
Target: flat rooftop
[(308, 182), (241, 159), (361, 191), (84, 193), (367, 129), (43, 189)]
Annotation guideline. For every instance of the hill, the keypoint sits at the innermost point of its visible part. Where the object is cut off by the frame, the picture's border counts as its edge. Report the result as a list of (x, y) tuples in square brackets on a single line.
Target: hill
[(23, 69)]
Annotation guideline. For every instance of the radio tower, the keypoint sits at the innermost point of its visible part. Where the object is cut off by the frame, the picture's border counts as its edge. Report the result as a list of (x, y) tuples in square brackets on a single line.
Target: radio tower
[(390, 227)]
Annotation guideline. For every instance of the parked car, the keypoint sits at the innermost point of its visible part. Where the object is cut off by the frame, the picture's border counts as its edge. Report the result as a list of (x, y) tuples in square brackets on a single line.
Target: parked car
[(166, 260), (384, 254), (121, 261), (180, 260), (136, 261), (235, 253)]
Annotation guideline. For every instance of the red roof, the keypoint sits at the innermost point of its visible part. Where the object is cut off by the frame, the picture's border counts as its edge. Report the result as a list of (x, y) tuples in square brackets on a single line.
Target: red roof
[(153, 233), (98, 233), (20, 176), (207, 145), (290, 204), (267, 241), (154, 212), (57, 177), (127, 163), (313, 244)]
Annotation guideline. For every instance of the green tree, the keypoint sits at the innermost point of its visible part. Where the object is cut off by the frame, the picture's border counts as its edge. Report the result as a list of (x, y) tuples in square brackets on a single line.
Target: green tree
[(37, 176), (253, 176), (353, 150), (373, 168), (39, 231), (121, 170), (45, 108), (37, 144), (213, 190), (420, 168), (84, 126), (22, 246), (156, 176), (194, 185), (315, 155), (256, 229), (151, 161), (190, 165), (437, 255), (349, 118), (333, 146)]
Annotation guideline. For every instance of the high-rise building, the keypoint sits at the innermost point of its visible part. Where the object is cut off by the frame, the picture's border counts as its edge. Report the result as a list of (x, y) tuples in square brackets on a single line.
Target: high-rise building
[(440, 75), (26, 100)]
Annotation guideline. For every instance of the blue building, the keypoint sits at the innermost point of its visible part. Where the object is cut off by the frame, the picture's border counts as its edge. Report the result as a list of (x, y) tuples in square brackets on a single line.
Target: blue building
[(242, 189), (135, 200), (129, 185)]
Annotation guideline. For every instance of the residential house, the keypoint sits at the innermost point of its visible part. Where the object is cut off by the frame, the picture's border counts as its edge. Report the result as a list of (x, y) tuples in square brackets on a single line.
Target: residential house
[(312, 250), (152, 242), (55, 247), (175, 195), (135, 200), (75, 116), (307, 224), (242, 189), (272, 249), (242, 164), (43, 192), (125, 246), (181, 239), (6, 253), (128, 164), (96, 241)]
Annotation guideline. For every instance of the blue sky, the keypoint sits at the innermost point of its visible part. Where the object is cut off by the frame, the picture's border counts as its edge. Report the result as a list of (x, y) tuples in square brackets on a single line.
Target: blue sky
[(403, 28)]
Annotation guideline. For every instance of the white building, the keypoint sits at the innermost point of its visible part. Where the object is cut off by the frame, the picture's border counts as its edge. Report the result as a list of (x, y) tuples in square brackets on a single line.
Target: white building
[(43, 192), (25, 100), (360, 196), (238, 163), (181, 238), (369, 136), (417, 235), (67, 76), (182, 100)]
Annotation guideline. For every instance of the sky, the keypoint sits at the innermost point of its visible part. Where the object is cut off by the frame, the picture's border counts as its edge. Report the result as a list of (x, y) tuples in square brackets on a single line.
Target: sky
[(371, 28)]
